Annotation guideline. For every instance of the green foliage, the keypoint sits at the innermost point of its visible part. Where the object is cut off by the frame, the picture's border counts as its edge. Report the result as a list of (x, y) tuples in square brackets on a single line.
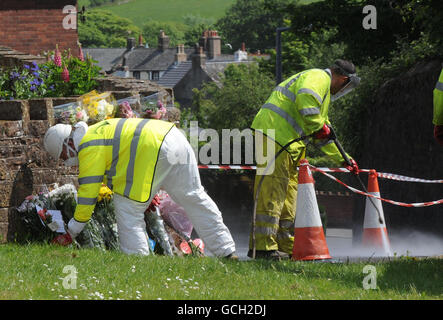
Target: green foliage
[(243, 91), (253, 22), (103, 29), (94, 3), (81, 76), (346, 16), (195, 25), (44, 80), (174, 30), (317, 51)]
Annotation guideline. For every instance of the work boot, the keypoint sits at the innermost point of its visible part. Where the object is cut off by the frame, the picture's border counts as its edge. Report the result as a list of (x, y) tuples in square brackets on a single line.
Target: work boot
[(269, 254), (231, 256)]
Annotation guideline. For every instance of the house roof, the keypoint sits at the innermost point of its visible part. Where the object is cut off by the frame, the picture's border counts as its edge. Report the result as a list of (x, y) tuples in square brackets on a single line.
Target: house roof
[(138, 59), (174, 74), (144, 59), (106, 57)]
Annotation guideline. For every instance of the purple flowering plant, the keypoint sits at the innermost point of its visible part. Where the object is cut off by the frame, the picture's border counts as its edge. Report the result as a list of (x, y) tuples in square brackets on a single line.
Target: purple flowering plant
[(23, 83)]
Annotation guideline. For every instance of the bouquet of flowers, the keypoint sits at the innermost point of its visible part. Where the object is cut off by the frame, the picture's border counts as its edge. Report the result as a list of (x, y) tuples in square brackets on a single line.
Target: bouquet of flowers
[(152, 107), (101, 231), (125, 110), (70, 113), (171, 223), (34, 218), (98, 107)]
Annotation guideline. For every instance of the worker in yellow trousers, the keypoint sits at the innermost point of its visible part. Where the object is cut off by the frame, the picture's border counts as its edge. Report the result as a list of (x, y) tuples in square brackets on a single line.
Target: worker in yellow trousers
[(297, 107)]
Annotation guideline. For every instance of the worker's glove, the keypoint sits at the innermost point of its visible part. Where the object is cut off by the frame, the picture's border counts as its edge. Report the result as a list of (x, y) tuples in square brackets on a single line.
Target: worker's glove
[(438, 134), (154, 203), (63, 239), (353, 167), (323, 133)]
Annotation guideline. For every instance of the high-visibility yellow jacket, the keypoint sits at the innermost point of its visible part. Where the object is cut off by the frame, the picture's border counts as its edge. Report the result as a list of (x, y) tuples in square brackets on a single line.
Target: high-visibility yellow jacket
[(122, 153), (438, 101), (299, 107)]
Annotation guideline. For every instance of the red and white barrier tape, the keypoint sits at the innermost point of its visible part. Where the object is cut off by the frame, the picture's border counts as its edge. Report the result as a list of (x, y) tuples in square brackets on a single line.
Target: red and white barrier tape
[(227, 167), (382, 175), (397, 203)]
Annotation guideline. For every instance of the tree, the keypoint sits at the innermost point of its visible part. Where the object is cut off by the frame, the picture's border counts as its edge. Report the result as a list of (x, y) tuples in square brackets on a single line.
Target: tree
[(103, 29), (174, 30), (347, 16), (244, 89), (253, 22)]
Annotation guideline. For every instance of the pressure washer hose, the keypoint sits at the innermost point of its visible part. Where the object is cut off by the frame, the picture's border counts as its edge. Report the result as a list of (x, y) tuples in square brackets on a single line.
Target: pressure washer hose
[(257, 192)]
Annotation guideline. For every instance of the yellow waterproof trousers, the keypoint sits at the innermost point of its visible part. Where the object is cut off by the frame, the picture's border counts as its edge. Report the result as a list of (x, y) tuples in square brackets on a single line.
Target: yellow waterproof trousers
[(275, 213)]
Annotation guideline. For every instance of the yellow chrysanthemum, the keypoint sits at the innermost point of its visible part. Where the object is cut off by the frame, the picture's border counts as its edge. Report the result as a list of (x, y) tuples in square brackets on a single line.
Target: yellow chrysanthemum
[(104, 193)]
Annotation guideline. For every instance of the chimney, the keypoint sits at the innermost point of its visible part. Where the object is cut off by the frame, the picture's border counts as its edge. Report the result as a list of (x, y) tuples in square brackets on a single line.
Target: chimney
[(204, 40), (198, 57), (180, 55), (140, 40), (130, 44), (214, 44), (163, 41)]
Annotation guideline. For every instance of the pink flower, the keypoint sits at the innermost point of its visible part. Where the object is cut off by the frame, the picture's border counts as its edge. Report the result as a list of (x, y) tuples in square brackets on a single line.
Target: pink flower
[(57, 57), (80, 54), (126, 110), (65, 74)]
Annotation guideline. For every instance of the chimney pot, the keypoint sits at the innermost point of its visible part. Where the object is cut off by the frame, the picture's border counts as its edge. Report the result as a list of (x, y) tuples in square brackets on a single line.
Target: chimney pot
[(130, 43)]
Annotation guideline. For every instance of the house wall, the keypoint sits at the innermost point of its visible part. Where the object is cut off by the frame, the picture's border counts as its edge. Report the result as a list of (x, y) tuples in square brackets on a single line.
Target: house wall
[(193, 79), (35, 26)]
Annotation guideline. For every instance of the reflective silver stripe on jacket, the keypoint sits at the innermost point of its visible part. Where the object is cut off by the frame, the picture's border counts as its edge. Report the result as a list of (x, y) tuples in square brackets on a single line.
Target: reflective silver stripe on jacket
[(86, 201), (439, 86), (97, 142), (115, 151), (133, 152), (268, 231), (311, 92), (286, 92), (90, 179), (309, 111), (282, 113), (267, 219)]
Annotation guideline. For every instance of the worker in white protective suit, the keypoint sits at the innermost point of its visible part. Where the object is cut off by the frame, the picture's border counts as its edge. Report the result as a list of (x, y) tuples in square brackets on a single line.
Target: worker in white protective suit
[(135, 158)]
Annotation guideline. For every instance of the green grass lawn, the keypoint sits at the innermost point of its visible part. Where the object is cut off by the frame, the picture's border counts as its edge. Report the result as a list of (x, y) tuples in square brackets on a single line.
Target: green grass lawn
[(36, 272), (140, 11)]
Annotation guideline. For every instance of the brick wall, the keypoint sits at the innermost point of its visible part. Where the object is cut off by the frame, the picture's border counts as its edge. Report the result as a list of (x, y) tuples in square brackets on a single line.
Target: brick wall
[(34, 26)]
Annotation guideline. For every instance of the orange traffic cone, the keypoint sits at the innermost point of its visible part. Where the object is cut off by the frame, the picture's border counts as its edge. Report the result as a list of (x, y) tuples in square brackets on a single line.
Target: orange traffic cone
[(309, 238), (375, 234)]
